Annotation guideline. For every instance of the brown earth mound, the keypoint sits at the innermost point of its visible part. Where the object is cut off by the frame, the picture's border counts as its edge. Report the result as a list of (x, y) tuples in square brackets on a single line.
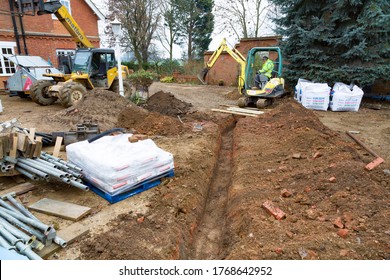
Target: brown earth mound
[(99, 106), (165, 103)]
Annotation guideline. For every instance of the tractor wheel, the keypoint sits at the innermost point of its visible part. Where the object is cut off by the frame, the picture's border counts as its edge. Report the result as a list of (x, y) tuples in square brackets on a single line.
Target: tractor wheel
[(72, 93), (127, 88), (262, 103), (242, 102), (39, 93)]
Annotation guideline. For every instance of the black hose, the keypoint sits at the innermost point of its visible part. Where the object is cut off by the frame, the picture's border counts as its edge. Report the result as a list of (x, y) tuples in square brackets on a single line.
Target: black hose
[(107, 132)]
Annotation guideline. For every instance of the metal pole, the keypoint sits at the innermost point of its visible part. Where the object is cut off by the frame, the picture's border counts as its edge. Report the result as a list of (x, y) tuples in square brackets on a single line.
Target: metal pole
[(19, 206), (18, 243), (120, 77), (37, 224)]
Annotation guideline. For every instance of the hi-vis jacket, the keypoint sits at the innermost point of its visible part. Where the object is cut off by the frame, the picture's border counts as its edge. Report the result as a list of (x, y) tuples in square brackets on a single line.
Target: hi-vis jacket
[(267, 68)]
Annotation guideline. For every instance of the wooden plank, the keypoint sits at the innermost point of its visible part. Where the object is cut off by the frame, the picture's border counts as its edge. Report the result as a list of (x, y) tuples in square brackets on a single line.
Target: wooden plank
[(234, 113), (12, 153), (32, 134), (38, 149), (19, 189), (1, 149), (22, 142), (69, 234), (57, 146), (65, 210), (243, 110)]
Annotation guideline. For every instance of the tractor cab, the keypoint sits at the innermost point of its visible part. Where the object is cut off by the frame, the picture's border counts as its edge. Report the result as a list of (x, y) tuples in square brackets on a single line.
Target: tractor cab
[(97, 67)]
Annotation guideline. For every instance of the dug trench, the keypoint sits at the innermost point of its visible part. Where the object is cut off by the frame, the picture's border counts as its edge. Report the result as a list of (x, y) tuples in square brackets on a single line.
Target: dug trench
[(225, 171)]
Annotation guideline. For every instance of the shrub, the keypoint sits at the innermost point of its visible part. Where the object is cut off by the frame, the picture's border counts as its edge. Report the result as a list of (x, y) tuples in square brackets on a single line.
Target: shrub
[(142, 80), (167, 79)]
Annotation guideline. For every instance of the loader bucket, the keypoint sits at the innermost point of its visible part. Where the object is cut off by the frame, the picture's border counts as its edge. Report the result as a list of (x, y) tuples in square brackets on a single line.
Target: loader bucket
[(202, 75)]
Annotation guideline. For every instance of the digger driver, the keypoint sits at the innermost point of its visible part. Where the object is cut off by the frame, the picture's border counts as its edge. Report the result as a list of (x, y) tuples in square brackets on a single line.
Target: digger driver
[(265, 73)]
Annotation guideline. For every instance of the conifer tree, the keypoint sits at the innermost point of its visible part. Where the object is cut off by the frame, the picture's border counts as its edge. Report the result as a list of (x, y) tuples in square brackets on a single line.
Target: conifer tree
[(335, 41)]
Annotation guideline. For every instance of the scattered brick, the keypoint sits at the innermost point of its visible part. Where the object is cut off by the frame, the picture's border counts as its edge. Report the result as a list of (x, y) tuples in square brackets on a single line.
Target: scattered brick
[(141, 219), (344, 252), (317, 155), (343, 232), (273, 210), (332, 179), (338, 223), (374, 163), (296, 156), (290, 234), (279, 250), (286, 193)]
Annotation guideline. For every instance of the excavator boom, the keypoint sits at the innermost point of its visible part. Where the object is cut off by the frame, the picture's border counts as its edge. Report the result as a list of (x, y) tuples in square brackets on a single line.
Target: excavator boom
[(234, 53), (60, 11)]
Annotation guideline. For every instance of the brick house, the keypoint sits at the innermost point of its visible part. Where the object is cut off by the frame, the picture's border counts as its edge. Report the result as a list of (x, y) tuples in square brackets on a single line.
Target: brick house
[(226, 69), (43, 35)]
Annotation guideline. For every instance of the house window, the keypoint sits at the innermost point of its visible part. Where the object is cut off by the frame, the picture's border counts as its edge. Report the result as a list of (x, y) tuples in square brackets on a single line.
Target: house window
[(7, 68), (66, 3)]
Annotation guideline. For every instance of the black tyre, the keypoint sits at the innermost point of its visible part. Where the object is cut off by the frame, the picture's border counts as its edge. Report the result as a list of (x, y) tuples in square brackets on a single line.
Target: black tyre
[(262, 103), (72, 93), (242, 102), (127, 88), (39, 93)]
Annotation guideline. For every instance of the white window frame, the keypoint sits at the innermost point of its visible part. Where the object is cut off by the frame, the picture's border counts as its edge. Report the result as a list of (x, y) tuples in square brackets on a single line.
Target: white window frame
[(65, 52), (66, 3), (7, 45)]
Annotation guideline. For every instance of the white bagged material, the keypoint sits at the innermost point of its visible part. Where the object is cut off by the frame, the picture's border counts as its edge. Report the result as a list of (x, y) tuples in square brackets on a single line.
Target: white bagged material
[(344, 98), (298, 89), (312, 95), (115, 165)]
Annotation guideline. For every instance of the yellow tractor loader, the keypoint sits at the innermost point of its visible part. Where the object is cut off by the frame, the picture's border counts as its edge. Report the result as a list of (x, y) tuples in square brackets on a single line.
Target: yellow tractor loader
[(92, 67), (251, 96)]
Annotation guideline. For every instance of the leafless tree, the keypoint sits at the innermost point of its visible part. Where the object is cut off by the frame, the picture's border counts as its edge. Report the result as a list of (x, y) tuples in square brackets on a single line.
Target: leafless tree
[(139, 20), (243, 18)]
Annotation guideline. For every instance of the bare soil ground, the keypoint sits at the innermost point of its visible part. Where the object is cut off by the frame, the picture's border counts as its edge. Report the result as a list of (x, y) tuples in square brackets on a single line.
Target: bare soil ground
[(226, 167)]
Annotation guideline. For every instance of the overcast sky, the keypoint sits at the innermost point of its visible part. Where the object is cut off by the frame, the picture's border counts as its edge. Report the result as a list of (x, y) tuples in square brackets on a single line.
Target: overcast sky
[(217, 35)]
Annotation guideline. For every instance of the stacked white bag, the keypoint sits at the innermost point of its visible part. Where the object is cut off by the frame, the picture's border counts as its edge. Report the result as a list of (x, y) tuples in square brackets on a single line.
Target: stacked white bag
[(312, 95), (114, 165), (344, 98)]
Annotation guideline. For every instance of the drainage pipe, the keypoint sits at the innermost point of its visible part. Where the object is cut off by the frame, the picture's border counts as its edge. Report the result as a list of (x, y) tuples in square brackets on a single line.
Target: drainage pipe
[(79, 185), (37, 224), (23, 226), (19, 206), (28, 240), (26, 173), (33, 170)]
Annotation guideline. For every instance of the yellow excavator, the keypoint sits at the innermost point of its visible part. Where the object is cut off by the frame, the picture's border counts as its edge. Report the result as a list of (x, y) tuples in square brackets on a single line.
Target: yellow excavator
[(92, 67), (268, 91)]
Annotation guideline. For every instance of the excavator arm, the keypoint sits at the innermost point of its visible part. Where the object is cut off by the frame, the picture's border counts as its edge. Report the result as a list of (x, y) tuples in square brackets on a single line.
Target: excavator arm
[(234, 53), (63, 15)]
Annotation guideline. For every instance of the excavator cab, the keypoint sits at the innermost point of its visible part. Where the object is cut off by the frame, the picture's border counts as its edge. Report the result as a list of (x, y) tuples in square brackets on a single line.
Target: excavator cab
[(269, 88)]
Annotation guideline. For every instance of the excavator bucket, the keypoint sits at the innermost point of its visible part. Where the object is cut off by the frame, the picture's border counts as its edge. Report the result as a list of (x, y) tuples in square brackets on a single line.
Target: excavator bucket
[(202, 75)]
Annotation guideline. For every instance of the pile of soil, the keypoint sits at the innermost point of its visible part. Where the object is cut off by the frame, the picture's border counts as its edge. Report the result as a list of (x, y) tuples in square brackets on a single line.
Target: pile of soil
[(165, 103), (99, 106)]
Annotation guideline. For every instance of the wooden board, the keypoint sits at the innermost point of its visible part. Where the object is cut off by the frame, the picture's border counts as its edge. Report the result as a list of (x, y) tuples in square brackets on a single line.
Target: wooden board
[(19, 189), (243, 110), (69, 234), (60, 209), (234, 113), (57, 146)]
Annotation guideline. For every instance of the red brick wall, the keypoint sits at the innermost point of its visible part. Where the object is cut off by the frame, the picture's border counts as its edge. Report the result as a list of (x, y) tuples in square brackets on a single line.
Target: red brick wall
[(226, 69), (44, 34)]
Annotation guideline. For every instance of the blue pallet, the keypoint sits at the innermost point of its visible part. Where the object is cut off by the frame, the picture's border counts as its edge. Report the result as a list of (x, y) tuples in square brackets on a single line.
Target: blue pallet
[(146, 185)]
